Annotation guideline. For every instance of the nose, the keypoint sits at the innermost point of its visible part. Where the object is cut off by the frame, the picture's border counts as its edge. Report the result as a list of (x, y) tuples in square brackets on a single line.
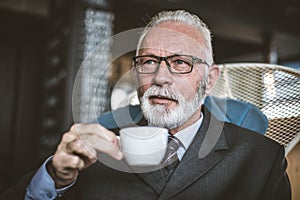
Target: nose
[(162, 76)]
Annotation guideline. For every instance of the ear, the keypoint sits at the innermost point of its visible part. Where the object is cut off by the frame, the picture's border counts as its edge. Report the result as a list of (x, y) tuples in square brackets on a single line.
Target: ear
[(213, 75)]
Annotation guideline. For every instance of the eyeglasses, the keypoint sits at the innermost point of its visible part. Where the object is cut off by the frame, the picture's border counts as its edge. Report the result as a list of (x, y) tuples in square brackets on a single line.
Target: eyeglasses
[(177, 64)]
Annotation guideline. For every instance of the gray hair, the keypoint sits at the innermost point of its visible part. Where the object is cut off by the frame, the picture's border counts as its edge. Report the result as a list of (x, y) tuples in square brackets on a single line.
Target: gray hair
[(184, 17)]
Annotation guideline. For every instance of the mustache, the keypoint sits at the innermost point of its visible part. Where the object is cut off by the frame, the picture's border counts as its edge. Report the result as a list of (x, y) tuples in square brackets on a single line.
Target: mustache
[(163, 92)]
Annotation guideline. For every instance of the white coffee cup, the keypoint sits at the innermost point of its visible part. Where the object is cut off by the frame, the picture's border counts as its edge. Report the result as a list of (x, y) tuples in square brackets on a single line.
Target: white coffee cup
[(143, 145)]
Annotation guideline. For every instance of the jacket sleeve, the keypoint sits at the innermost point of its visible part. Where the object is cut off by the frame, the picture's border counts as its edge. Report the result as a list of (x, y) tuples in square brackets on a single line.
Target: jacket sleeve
[(277, 186)]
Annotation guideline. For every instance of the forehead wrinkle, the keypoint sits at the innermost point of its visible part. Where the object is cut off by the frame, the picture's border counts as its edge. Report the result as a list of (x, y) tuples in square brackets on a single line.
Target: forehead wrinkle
[(171, 40)]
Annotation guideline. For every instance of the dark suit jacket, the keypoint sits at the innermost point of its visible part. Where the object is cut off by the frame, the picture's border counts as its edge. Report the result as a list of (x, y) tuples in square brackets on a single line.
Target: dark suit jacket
[(224, 161)]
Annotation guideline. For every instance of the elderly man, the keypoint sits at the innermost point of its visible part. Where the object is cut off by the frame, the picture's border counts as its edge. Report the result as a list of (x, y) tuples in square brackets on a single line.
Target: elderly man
[(174, 70)]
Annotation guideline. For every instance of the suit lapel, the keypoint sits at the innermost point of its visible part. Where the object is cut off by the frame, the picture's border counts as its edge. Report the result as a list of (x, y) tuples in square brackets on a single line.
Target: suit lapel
[(204, 153), (155, 180)]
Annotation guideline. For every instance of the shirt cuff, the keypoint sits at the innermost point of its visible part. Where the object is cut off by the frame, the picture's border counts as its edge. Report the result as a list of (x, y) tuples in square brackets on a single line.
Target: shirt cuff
[(42, 185)]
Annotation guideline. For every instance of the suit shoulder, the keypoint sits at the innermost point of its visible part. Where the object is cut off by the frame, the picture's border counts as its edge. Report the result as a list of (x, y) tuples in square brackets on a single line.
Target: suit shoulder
[(237, 135)]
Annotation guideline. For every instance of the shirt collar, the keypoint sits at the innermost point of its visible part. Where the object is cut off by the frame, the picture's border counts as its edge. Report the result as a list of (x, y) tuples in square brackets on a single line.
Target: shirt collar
[(187, 135)]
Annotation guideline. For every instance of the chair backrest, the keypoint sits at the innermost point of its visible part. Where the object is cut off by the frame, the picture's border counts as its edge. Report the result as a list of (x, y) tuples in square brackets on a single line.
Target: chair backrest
[(274, 89), (237, 112)]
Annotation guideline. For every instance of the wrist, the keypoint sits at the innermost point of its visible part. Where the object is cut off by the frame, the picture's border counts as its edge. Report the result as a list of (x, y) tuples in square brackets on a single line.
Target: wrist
[(59, 181)]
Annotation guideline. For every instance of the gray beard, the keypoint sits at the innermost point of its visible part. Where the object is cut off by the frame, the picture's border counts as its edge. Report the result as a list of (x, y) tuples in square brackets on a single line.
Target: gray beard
[(160, 116)]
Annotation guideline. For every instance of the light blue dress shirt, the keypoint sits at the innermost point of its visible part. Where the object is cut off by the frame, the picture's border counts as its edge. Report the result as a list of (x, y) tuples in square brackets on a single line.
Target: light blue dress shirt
[(42, 186)]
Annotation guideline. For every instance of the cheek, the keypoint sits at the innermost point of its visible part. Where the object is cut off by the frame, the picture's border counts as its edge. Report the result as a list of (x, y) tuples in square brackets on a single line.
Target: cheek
[(188, 92), (142, 89), (143, 83), (188, 87)]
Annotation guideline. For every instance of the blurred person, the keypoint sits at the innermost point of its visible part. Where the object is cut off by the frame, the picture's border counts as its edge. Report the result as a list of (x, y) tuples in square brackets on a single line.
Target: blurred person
[(175, 71)]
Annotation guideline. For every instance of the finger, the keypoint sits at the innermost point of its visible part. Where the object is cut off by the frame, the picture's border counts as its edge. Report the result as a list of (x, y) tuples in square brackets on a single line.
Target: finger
[(71, 144), (102, 145), (82, 149), (100, 138), (88, 144), (66, 161), (66, 166), (68, 137), (82, 129)]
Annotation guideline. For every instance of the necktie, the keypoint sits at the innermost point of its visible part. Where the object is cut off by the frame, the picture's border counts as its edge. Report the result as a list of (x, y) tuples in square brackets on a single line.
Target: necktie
[(170, 160)]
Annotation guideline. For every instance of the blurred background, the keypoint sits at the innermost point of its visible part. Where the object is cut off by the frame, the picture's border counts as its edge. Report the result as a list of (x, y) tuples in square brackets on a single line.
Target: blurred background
[(43, 44)]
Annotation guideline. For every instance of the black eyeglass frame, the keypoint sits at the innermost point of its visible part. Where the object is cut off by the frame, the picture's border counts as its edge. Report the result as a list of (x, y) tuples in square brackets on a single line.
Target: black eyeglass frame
[(194, 58)]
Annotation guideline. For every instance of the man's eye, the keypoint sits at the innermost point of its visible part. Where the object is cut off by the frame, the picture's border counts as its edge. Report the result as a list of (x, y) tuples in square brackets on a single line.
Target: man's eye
[(180, 62), (149, 62)]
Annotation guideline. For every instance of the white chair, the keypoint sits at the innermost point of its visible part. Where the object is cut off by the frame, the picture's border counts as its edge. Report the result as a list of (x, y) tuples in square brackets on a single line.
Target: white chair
[(274, 89)]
